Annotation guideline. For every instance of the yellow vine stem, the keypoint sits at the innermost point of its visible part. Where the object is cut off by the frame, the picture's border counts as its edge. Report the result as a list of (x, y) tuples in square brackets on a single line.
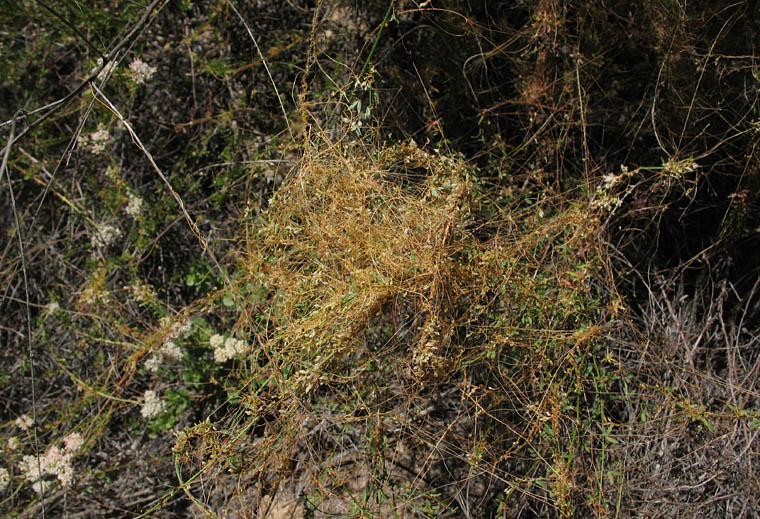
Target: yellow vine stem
[(83, 385)]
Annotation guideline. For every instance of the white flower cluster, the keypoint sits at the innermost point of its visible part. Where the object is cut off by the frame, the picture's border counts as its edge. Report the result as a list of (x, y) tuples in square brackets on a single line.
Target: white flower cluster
[(73, 442), (95, 141), (177, 329), (104, 235), (52, 308), (134, 206), (226, 349), (678, 168), (609, 181), (169, 349), (92, 295), (604, 200), (141, 292), (5, 478), (55, 462), (152, 405), (141, 71), (24, 421), (13, 443)]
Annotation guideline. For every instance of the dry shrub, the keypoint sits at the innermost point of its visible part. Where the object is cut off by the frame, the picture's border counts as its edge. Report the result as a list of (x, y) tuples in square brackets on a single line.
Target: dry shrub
[(419, 346), (342, 242)]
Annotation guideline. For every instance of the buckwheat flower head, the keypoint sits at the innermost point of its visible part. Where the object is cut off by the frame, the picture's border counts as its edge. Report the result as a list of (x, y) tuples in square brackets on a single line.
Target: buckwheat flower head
[(236, 346), (216, 341), (5, 478), (182, 329), (55, 462), (152, 406), (610, 181), (96, 141), (141, 71), (52, 307), (29, 467), (141, 292), (104, 235), (231, 348), (134, 206), (153, 362), (24, 421), (92, 295), (58, 463), (73, 442), (222, 355), (178, 329), (606, 202), (41, 486), (13, 443), (171, 351)]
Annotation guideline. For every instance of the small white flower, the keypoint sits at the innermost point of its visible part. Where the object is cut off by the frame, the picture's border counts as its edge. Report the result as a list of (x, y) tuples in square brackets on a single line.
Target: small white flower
[(182, 329), (92, 295), (141, 292), (134, 206), (73, 442), (141, 71), (55, 462), (24, 421), (177, 330), (216, 341), (230, 348), (58, 463), (222, 355), (5, 478), (29, 468), (153, 362), (104, 235), (610, 181), (52, 307), (171, 351), (152, 406), (606, 202), (13, 443), (96, 141)]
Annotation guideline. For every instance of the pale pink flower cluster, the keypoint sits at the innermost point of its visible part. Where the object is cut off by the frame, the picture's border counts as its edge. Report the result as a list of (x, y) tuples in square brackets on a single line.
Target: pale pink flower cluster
[(141, 71), (227, 348), (55, 462)]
